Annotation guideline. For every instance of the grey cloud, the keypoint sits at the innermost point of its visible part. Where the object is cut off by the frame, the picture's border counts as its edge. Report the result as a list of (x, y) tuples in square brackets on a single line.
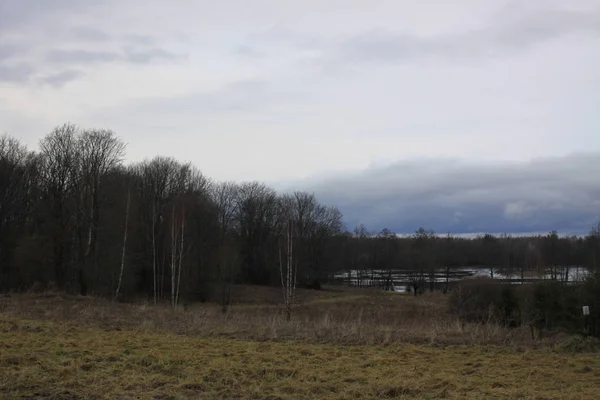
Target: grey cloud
[(240, 96), (145, 40), (447, 196), (511, 29), (81, 56), (61, 78), (277, 40), (7, 52), (16, 14), (16, 73), (90, 34), (246, 50), (129, 55), (151, 55)]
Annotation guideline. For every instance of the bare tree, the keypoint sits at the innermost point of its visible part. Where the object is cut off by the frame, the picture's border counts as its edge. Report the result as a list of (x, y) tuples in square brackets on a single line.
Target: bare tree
[(124, 243), (288, 272), (181, 255), (18, 183), (177, 252), (448, 261), (100, 152), (423, 258), (59, 152), (490, 247), (159, 181), (258, 216), (224, 195)]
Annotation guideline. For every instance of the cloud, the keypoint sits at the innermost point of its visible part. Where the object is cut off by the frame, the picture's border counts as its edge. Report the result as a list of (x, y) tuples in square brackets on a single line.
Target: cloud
[(513, 27), (25, 14), (80, 56), (7, 51), (249, 95), (151, 55), (559, 193), (40, 39), (90, 34), (61, 78), (16, 73), (510, 30), (129, 55)]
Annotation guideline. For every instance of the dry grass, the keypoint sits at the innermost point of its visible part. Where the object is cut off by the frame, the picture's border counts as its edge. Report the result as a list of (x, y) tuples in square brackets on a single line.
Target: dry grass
[(67, 361), (341, 316), (341, 344)]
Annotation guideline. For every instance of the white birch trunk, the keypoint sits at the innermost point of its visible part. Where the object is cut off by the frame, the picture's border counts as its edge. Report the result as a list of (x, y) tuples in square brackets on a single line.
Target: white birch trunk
[(124, 244), (154, 252), (180, 255), (173, 256), (288, 277)]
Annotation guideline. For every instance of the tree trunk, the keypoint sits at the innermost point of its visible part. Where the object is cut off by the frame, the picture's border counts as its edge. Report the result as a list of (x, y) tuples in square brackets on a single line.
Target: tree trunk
[(180, 255), (288, 277), (173, 256), (154, 252), (124, 244)]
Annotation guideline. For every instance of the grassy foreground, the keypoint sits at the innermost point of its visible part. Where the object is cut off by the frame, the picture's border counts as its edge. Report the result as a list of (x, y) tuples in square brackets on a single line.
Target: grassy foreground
[(341, 344), (43, 359)]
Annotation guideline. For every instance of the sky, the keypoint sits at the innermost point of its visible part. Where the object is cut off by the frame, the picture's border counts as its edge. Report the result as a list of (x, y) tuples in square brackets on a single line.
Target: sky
[(462, 116)]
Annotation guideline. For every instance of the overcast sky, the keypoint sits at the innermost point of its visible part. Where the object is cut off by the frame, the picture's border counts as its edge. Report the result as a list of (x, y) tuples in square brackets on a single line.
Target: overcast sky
[(461, 116)]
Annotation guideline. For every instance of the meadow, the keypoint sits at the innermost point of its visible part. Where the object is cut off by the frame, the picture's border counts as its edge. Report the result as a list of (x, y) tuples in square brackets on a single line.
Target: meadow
[(341, 343)]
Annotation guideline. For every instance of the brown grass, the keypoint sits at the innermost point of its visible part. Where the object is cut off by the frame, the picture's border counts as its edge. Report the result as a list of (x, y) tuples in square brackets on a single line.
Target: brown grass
[(341, 344), (342, 316), (67, 361)]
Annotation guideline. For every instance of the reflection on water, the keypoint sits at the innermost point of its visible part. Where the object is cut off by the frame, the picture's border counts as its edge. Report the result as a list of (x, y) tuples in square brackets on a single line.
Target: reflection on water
[(400, 279)]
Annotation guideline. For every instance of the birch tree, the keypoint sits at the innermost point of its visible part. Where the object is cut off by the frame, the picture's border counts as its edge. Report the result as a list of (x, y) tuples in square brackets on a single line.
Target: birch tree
[(124, 243), (158, 181), (288, 271)]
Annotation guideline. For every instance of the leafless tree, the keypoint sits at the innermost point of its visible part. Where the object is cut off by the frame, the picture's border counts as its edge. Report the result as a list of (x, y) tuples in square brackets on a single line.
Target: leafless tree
[(124, 244), (18, 182), (224, 195), (159, 181), (258, 217), (100, 152), (59, 175), (288, 272)]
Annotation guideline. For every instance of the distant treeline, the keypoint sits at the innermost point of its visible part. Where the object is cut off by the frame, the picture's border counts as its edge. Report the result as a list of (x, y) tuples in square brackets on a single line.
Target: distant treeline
[(74, 216)]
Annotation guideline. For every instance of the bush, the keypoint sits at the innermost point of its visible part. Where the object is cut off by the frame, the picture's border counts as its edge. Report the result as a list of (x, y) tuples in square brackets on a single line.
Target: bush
[(482, 300), (546, 306), (509, 307), (590, 296), (553, 305), (315, 285)]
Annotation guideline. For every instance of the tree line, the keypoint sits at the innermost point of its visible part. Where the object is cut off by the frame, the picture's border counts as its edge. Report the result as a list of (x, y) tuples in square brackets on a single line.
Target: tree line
[(425, 254), (74, 215)]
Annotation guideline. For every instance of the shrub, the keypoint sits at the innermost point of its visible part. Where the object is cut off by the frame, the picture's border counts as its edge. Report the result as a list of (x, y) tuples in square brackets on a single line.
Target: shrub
[(545, 306), (552, 305), (590, 296), (482, 300)]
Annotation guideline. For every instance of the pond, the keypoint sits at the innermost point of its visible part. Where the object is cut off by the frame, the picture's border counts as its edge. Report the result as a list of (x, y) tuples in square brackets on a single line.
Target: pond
[(401, 279)]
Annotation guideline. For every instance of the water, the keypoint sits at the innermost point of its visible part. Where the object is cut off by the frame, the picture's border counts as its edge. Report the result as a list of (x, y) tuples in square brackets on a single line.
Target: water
[(401, 279)]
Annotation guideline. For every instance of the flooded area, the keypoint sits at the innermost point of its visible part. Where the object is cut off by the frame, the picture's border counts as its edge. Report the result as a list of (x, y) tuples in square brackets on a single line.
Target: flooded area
[(402, 280)]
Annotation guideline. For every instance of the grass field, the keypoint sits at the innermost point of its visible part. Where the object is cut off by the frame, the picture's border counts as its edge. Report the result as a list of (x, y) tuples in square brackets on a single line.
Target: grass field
[(62, 347)]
